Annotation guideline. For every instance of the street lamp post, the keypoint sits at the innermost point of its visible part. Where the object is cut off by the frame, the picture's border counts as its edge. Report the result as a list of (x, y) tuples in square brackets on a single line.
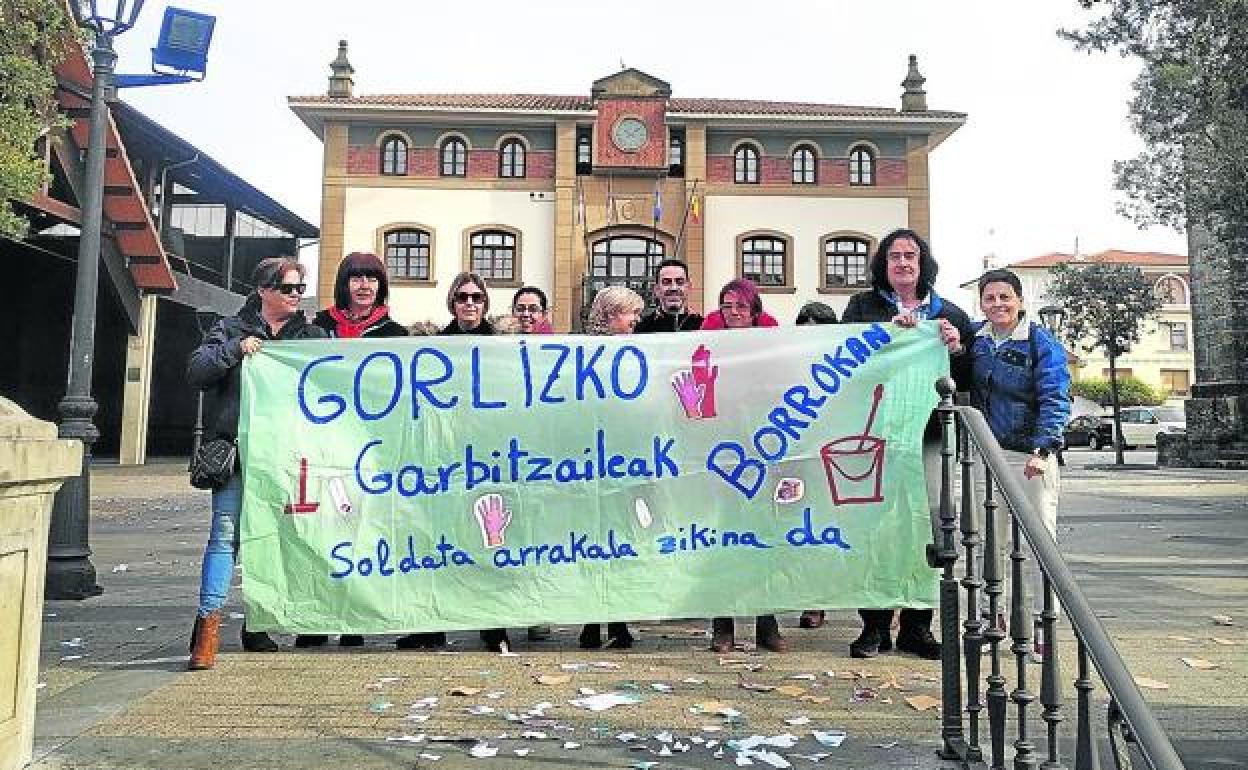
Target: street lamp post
[(71, 575), (1112, 349)]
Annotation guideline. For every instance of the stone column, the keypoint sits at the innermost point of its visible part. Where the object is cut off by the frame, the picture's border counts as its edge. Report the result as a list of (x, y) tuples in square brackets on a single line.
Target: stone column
[(33, 463), (1217, 413), (137, 393)]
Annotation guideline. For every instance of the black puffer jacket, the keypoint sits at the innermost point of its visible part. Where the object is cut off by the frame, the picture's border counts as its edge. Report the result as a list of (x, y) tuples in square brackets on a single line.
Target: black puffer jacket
[(871, 306), (215, 366)]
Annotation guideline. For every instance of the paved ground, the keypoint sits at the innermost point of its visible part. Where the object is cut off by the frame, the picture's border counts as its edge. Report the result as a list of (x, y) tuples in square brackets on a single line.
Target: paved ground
[(1159, 552)]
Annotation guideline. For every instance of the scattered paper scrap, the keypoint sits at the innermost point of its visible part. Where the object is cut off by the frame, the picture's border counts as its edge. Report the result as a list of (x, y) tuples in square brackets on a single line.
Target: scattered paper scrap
[(430, 757), (121, 568), (464, 691), (714, 707), (571, 745), (797, 721), (496, 694), (1224, 642), (627, 737), (552, 679), (1151, 684), (772, 758), (660, 687), (480, 710), (1199, 663), (889, 745), (791, 690), (830, 738), (1179, 638), (483, 751), (606, 700), (923, 702), (521, 752), (814, 698), (818, 756), (806, 677), (1223, 620), (420, 738), (695, 680), (417, 717), (604, 664)]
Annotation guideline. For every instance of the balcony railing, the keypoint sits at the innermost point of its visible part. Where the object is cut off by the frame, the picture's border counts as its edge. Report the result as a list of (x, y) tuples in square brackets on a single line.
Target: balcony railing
[(973, 463)]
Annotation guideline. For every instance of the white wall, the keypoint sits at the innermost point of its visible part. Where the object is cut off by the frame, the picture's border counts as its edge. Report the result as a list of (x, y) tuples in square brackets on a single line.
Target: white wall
[(448, 213), (805, 220)]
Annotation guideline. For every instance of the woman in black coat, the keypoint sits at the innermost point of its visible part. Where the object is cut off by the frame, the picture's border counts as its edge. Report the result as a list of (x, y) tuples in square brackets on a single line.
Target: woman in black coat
[(903, 274)]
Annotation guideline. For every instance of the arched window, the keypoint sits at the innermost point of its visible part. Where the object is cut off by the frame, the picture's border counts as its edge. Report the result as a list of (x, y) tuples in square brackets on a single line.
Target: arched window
[(764, 260), (626, 259), (746, 164), (845, 262), (408, 254), (511, 159), (454, 155), (1170, 290), (492, 255), (394, 156), (861, 166), (804, 165)]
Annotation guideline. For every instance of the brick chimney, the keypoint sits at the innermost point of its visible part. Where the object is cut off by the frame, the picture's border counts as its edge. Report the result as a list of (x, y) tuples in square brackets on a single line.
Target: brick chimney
[(914, 98), (340, 82)]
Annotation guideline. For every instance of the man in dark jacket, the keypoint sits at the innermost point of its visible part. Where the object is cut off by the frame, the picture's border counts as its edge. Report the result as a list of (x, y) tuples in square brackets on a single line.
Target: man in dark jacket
[(671, 291)]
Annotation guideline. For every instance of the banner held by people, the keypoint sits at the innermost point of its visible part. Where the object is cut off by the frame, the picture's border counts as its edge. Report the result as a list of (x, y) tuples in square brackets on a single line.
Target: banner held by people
[(454, 483)]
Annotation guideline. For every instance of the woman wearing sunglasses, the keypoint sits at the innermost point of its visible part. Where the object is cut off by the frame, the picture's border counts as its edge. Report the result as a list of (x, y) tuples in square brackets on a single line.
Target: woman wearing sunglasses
[(271, 312), (469, 302)]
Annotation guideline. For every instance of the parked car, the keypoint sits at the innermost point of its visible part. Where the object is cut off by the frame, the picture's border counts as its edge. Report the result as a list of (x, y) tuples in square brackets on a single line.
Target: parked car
[(1089, 430), (1142, 425)]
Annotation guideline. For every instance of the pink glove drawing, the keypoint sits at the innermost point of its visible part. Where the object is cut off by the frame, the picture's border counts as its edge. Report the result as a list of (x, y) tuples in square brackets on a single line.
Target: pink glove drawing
[(704, 375), (493, 519), (690, 394)]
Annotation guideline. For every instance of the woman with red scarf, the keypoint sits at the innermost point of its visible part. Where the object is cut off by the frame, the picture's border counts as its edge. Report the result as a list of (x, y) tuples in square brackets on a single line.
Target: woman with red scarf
[(359, 310), (360, 293)]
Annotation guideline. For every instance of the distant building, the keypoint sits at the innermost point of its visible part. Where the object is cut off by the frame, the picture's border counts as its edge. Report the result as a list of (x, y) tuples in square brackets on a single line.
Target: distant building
[(1163, 357), (572, 193)]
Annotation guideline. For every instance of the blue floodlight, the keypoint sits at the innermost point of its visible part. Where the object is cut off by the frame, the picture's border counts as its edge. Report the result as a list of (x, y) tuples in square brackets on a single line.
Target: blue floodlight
[(111, 17), (181, 52), (183, 43)]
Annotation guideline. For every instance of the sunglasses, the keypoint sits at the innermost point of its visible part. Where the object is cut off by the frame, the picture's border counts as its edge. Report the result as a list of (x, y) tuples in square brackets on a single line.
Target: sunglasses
[(291, 288), (474, 297)]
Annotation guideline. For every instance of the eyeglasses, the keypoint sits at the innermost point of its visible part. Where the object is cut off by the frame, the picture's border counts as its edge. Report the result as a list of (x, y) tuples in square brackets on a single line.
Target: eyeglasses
[(475, 297), (739, 307), (290, 288), (527, 309), (902, 256), (672, 281), (370, 279)]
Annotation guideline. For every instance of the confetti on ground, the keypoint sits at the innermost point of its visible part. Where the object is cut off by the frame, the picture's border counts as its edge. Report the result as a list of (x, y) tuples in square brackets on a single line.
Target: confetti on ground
[(483, 751), (1199, 663), (606, 700), (121, 568), (797, 721), (923, 702), (791, 690), (1223, 620), (1151, 684), (464, 691), (1224, 642), (830, 738), (420, 738), (552, 679), (571, 745)]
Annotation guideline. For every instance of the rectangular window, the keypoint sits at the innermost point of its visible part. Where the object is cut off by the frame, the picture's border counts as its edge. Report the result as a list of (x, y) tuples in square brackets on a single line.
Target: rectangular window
[(1176, 381), (763, 261), (584, 150), (1178, 335), (676, 152)]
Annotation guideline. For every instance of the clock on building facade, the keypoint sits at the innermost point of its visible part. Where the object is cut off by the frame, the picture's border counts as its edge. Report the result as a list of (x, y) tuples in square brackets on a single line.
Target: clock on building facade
[(629, 134)]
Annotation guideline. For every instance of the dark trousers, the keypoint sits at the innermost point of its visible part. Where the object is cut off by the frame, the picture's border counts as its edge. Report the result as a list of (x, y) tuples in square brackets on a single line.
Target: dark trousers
[(911, 620)]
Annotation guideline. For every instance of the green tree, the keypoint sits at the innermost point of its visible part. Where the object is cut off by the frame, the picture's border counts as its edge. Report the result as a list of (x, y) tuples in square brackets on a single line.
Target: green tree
[(1105, 306), (33, 36), (1132, 391), (1190, 107)]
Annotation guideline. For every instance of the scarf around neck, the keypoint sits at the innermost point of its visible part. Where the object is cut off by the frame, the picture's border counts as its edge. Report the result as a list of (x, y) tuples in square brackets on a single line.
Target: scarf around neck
[(350, 329)]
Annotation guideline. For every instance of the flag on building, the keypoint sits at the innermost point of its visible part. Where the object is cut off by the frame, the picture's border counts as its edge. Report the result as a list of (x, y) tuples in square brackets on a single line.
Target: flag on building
[(695, 208), (658, 203)]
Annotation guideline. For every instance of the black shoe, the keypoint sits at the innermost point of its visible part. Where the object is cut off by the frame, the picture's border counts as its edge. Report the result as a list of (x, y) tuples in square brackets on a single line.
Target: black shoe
[(424, 641), (494, 639), (918, 641), (350, 640), (591, 636), (257, 641), (310, 640), (871, 642), (618, 637)]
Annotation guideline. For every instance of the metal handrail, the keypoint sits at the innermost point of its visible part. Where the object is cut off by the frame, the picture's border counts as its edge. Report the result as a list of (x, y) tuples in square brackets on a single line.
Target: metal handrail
[(1127, 705)]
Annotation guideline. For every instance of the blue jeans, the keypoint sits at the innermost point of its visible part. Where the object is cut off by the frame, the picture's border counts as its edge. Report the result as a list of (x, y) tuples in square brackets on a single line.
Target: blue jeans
[(222, 548)]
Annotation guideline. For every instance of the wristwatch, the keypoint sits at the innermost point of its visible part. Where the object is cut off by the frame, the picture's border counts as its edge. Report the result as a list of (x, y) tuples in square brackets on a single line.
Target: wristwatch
[(1042, 452)]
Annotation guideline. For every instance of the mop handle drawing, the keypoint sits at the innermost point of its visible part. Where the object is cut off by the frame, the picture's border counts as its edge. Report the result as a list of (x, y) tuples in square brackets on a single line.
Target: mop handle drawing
[(875, 405)]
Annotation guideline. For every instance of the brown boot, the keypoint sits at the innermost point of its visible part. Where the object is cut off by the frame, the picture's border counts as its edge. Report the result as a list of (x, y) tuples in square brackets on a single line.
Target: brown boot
[(767, 634), (204, 642)]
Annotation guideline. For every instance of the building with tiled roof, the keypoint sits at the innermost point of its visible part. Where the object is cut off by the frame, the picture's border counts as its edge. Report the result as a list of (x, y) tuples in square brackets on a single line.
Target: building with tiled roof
[(571, 193), (1163, 357)]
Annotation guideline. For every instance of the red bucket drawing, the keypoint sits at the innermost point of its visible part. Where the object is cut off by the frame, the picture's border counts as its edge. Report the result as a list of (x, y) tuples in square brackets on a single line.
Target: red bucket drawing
[(855, 464), (855, 468)]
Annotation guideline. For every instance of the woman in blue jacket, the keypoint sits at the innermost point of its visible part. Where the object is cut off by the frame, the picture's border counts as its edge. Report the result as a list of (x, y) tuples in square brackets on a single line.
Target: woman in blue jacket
[(1020, 382)]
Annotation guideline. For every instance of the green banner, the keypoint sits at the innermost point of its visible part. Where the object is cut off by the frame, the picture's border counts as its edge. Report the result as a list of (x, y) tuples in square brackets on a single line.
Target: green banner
[(440, 483)]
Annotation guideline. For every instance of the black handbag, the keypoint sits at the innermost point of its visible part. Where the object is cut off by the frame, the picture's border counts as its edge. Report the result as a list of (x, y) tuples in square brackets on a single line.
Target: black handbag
[(214, 463)]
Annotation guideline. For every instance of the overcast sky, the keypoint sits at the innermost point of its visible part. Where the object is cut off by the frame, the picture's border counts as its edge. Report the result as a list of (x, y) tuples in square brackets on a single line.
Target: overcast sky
[(1028, 174)]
